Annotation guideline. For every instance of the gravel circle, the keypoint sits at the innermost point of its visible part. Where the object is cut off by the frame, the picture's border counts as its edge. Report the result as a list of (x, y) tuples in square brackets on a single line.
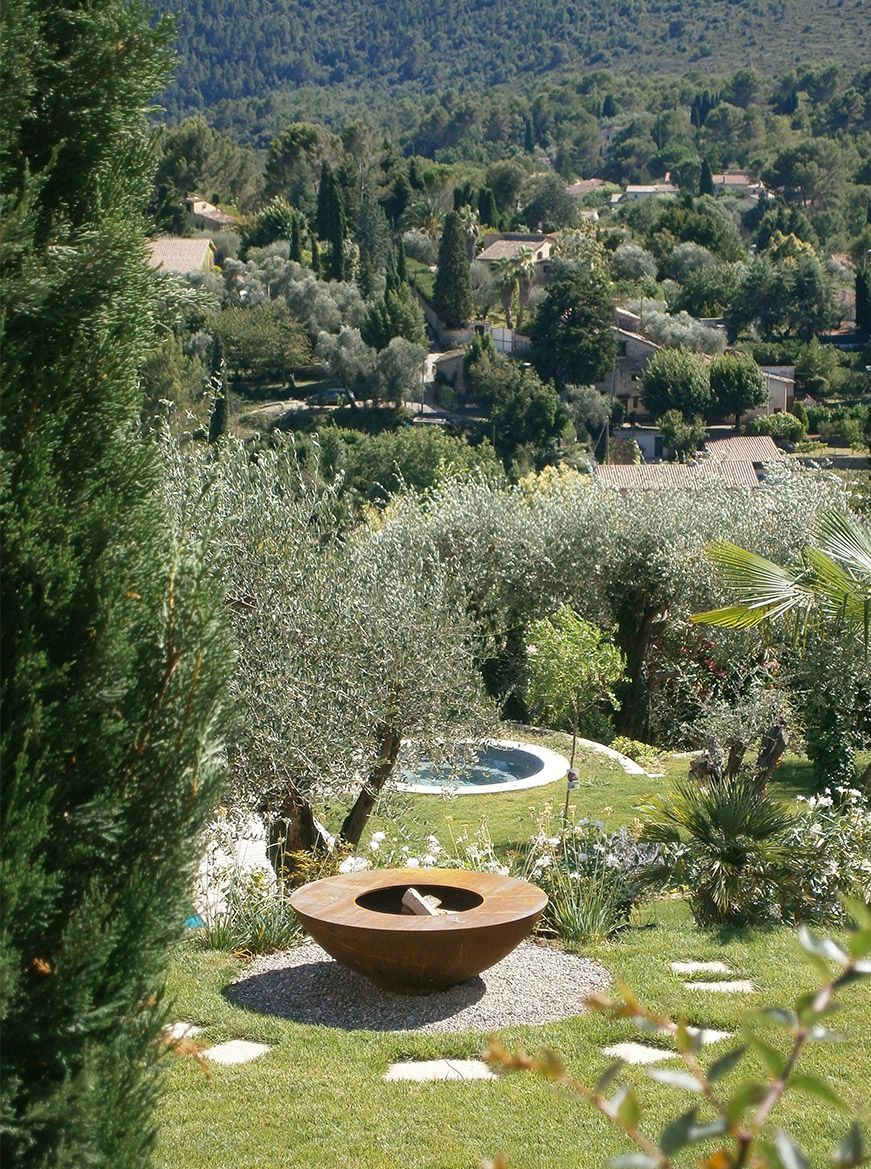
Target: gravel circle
[(535, 984)]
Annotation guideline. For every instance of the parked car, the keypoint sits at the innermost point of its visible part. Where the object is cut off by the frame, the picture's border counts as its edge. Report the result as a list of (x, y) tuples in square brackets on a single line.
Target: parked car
[(335, 397)]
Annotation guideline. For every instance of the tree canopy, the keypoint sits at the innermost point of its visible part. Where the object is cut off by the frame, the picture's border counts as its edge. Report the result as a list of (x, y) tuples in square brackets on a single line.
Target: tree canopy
[(572, 335)]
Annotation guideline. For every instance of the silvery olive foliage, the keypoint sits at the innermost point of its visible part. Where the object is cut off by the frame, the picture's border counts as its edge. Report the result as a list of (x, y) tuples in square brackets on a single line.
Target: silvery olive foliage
[(632, 564), (345, 644)]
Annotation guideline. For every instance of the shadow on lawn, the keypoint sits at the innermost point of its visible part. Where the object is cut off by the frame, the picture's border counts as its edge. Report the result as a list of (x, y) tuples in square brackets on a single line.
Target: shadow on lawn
[(325, 994)]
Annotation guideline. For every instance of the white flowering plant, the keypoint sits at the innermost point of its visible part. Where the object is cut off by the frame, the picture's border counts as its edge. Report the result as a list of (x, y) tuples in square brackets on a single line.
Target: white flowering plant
[(834, 829), (593, 877)]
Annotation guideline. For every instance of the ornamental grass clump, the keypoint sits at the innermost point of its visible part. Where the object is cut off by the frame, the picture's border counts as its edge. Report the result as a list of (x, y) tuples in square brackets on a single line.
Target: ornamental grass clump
[(592, 877)]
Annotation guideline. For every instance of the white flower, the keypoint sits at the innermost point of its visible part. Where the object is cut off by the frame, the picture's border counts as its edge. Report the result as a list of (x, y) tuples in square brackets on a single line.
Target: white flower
[(377, 837), (429, 860), (432, 843), (354, 864), (374, 845), (412, 863)]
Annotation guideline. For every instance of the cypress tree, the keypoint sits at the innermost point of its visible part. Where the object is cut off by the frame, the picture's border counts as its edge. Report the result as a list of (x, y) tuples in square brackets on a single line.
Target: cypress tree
[(488, 212), (296, 230), (336, 269), (609, 106), (391, 270), (331, 224), (316, 255), (528, 136), (863, 300), (452, 298), (401, 268), (706, 179), (113, 654)]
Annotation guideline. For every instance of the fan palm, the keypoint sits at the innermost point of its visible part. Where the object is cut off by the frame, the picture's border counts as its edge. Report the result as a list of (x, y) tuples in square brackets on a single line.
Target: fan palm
[(727, 844), (831, 585), (505, 274), (524, 267)]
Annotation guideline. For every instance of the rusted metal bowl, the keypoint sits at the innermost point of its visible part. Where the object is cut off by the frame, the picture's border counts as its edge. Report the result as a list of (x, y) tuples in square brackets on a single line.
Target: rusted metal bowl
[(358, 919)]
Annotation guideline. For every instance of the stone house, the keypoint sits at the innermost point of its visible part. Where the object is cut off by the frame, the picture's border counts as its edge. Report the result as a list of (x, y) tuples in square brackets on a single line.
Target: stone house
[(203, 216), (510, 244)]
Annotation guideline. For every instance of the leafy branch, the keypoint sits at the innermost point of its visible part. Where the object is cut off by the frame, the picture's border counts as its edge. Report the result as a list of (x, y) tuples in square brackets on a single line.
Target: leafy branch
[(740, 1114)]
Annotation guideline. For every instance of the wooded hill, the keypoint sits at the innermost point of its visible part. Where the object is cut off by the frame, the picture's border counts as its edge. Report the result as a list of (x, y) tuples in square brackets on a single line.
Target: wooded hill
[(232, 49)]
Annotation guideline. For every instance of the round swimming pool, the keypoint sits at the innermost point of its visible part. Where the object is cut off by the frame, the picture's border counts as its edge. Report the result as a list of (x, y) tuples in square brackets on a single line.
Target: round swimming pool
[(495, 765)]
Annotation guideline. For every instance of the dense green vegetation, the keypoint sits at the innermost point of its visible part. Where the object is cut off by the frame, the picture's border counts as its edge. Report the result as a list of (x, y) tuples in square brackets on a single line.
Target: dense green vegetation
[(112, 642), (292, 51)]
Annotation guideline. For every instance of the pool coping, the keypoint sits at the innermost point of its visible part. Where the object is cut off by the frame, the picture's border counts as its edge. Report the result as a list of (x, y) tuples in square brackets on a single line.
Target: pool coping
[(553, 767)]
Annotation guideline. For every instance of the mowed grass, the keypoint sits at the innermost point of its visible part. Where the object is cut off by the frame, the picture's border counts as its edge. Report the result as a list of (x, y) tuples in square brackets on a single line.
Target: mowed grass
[(318, 1098)]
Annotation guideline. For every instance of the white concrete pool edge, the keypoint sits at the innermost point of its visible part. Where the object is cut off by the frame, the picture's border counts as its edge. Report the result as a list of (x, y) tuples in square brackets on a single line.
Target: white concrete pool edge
[(554, 767)]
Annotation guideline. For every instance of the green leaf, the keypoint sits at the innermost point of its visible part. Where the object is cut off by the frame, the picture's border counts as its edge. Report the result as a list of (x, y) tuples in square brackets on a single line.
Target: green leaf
[(676, 1134), (780, 1015), (747, 1095), (629, 1110), (771, 1057), (851, 1150), (675, 1079), (612, 1106), (685, 1041), (722, 1066), (791, 1156), (861, 915), (822, 947), (814, 1086), (704, 1132), (608, 1076)]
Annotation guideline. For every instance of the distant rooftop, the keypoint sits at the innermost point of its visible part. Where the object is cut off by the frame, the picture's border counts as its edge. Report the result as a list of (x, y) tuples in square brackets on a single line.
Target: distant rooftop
[(747, 448), (646, 476), (173, 253), (511, 243)]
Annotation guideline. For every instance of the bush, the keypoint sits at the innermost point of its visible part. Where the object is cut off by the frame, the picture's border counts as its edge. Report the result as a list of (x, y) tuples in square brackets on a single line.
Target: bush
[(845, 432), (782, 426), (729, 846), (255, 916), (644, 754), (593, 878), (834, 830)]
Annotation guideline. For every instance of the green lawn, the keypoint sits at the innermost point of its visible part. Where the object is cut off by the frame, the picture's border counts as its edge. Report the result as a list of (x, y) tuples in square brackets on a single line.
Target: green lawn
[(318, 1099)]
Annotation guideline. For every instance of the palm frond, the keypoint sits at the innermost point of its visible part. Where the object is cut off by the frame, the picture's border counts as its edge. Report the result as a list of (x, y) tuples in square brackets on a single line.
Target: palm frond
[(765, 589), (846, 539)]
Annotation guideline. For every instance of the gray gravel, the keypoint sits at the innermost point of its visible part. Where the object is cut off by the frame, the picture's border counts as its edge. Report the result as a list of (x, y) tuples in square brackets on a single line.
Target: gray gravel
[(535, 984)]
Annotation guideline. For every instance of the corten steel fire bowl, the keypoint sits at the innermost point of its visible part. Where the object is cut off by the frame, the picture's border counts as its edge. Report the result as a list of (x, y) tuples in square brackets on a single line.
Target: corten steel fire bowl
[(358, 919)]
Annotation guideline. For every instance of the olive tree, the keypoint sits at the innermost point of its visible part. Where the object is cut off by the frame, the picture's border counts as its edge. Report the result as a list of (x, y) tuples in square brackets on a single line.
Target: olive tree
[(632, 564), (346, 646)]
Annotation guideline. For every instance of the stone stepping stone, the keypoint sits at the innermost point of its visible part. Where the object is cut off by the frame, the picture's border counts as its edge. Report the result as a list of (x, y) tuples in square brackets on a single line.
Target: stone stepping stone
[(236, 1051), (181, 1030), (420, 1071), (733, 986), (701, 968), (709, 1035), (639, 1053)]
